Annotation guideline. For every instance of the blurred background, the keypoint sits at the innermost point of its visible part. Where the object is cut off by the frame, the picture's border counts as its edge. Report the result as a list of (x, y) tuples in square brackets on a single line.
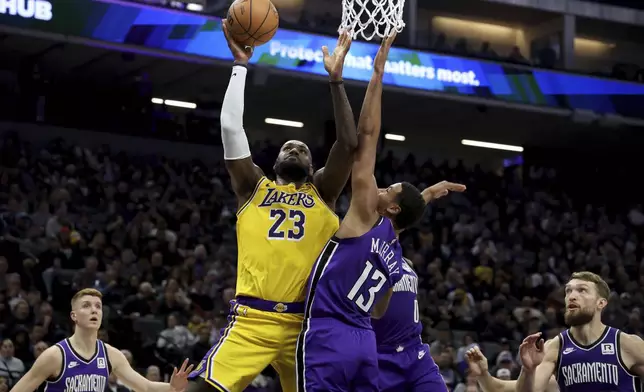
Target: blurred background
[(112, 176)]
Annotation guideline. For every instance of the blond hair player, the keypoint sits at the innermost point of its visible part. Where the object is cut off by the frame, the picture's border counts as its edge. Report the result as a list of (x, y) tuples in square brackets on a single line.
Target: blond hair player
[(589, 356), (82, 362)]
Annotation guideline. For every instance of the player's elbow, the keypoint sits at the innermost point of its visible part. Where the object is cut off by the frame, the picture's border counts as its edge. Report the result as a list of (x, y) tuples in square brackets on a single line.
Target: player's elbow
[(348, 140), (367, 129), (229, 124)]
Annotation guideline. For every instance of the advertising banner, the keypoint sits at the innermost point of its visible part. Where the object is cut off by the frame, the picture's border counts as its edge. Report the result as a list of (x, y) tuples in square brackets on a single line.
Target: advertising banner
[(193, 34)]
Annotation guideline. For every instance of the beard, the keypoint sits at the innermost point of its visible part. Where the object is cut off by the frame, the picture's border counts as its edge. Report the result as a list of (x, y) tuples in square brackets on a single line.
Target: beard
[(291, 171), (578, 317)]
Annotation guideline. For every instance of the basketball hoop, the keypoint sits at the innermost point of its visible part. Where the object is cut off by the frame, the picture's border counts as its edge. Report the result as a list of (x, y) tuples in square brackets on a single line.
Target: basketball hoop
[(370, 18)]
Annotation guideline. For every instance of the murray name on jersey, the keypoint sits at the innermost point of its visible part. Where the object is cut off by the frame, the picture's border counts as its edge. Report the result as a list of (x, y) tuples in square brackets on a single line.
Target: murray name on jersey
[(275, 196), (85, 383), (386, 252), (591, 372)]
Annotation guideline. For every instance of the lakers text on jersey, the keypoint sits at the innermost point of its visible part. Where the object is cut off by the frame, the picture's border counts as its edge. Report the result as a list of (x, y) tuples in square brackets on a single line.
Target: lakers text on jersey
[(280, 232)]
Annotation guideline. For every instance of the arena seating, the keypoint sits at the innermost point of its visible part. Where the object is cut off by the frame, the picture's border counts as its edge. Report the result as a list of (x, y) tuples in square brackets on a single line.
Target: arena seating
[(156, 237)]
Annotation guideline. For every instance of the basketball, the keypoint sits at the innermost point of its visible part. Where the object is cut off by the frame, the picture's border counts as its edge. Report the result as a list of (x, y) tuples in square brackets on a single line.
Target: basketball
[(252, 22)]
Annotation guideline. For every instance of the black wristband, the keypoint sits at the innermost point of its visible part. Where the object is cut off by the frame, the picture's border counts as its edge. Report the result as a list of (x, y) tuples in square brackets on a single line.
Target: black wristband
[(240, 64), (336, 81)]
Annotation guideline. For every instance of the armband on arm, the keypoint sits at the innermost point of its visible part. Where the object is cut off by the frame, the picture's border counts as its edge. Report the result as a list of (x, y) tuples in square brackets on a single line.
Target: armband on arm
[(233, 135)]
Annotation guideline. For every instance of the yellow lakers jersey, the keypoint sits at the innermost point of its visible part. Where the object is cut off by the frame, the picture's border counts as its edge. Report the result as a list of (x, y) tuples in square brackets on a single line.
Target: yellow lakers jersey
[(281, 230)]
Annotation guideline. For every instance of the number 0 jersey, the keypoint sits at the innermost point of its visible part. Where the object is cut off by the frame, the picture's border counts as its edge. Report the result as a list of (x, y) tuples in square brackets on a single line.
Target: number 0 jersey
[(401, 324), (280, 232)]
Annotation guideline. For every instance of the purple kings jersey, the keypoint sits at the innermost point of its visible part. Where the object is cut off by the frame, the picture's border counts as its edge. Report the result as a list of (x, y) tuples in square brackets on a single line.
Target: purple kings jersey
[(78, 374), (352, 274), (401, 324), (594, 368)]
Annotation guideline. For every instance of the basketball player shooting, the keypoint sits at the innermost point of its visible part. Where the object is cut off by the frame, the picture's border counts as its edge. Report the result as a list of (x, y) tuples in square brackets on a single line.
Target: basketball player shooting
[(282, 226), (82, 363), (589, 356), (353, 276)]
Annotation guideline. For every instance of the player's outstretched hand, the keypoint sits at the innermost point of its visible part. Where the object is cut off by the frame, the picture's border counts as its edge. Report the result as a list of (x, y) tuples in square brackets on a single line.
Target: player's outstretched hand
[(179, 379), (241, 54), (476, 362), (334, 62), (532, 351), (442, 189), (383, 53)]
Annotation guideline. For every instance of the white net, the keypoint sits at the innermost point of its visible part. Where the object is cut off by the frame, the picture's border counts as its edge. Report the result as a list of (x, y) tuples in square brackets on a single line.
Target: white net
[(371, 18)]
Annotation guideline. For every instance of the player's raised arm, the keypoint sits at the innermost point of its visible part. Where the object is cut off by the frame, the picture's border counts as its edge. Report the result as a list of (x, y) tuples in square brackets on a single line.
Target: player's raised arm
[(244, 174), (49, 364), (331, 179), (441, 189), (478, 367), (538, 361), (364, 191), (136, 382), (632, 350)]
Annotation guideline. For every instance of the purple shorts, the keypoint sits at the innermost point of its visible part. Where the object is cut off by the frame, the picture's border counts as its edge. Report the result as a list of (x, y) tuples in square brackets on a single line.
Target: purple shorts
[(411, 370), (335, 357)]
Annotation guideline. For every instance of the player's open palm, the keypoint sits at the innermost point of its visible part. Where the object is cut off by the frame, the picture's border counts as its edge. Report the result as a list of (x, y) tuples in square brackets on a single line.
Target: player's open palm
[(443, 188), (532, 351), (179, 379), (381, 58), (334, 62), (476, 362), (241, 54)]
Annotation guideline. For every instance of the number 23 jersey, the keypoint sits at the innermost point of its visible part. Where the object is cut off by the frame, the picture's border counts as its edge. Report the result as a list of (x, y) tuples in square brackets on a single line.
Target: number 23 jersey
[(280, 232)]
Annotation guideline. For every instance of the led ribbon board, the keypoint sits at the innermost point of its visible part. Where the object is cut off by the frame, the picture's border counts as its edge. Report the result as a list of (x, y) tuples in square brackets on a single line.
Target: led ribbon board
[(173, 31)]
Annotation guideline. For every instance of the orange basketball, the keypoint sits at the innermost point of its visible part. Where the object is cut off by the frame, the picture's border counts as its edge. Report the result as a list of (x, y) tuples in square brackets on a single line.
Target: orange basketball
[(252, 22)]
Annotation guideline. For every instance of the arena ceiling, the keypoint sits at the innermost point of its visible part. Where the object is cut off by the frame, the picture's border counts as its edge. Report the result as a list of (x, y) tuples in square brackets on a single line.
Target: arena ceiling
[(426, 119)]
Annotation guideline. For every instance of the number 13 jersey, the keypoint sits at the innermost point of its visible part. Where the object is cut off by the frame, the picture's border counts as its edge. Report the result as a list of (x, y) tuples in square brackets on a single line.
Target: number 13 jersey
[(280, 232), (352, 274)]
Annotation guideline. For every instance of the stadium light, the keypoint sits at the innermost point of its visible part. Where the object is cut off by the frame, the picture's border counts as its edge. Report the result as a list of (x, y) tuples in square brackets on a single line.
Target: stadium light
[(180, 104), (495, 146), (175, 103), (393, 136), (194, 7), (284, 123)]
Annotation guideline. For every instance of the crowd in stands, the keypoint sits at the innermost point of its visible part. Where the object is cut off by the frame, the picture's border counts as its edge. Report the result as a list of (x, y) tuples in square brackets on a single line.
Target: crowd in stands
[(156, 237)]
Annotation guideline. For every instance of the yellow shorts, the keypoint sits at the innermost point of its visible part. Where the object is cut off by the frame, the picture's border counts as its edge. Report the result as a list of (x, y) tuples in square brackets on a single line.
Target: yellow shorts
[(252, 340)]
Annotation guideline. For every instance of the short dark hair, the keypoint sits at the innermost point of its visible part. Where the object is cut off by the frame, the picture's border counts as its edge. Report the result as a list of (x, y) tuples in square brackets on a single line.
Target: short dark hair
[(412, 206)]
